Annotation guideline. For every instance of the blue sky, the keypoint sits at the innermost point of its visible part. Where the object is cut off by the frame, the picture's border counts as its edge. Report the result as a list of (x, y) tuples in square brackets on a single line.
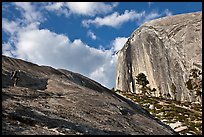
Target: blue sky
[(79, 36)]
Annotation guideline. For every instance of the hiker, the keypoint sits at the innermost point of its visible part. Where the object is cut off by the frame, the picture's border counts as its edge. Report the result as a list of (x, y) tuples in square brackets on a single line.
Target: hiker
[(15, 75)]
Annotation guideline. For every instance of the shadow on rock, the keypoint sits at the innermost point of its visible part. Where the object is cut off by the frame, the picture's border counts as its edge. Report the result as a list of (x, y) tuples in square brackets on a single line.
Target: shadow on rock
[(35, 94), (26, 80), (47, 119)]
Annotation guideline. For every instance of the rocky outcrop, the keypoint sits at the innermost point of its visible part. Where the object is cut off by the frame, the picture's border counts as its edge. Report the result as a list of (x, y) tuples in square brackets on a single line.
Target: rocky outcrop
[(59, 102), (165, 50)]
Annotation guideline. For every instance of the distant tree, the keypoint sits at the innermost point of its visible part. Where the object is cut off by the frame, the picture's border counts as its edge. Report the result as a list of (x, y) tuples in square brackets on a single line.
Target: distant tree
[(154, 91), (160, 94), (141, 79), (168, 96), (195, 73), (164, 95), (194, 83), (150, 91), (113, 89), (189, 84)]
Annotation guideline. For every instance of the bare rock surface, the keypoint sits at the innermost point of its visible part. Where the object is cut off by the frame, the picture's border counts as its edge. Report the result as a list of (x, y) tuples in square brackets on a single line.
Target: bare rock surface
[(59, 102), (165, 50)]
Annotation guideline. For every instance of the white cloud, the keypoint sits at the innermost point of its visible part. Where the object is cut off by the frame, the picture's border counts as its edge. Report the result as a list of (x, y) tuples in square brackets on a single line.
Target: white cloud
[(114, 20), (80, 8), (29, 12), (44, 47), (58, 7), (54, 6), (30, 19), (168, 12), (91, 34), (153, 15), (106, 72), (8, 50), (90, 8), (9, 27), (150, 16), (118, 43)]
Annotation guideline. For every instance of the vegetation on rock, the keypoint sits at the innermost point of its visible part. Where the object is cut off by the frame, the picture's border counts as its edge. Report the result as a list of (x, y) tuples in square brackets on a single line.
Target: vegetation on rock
[(171, 112), (194, 83)]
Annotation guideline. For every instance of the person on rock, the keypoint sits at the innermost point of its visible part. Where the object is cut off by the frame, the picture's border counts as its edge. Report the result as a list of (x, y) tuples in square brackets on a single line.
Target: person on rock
[(15, 75)]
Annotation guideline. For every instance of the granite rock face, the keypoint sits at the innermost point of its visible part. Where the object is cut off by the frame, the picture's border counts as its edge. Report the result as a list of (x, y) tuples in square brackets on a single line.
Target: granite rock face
[(50, 101), (165, 50)]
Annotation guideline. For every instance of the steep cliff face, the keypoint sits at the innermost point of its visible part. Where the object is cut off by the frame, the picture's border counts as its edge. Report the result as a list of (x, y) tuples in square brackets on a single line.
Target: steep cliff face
[(165, 50)]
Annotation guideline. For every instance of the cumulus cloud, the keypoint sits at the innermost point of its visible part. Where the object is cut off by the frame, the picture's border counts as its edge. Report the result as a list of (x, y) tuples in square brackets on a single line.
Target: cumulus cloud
[(114, 20), (30, 19), (80, 8), (106, 73), (90, 8), (58, 7), (10, 27), (29, 12), (118, 43), (91, 35), (44, 47), (54, 6)]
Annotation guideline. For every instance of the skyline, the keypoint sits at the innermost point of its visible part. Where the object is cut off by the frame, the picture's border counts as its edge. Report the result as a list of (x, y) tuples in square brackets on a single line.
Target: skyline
[(82, 37)]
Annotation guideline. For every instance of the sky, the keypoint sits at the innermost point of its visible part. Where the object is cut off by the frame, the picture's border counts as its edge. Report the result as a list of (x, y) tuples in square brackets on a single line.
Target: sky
[(82, 37)]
